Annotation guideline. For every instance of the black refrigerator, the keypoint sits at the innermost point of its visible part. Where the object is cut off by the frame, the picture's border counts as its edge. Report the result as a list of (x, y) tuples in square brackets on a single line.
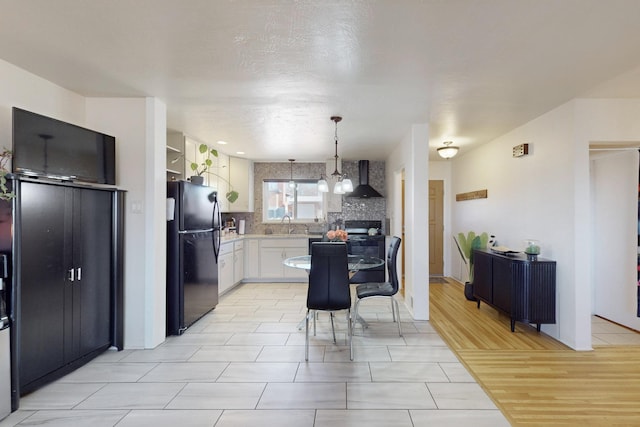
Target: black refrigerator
[(193, 244)]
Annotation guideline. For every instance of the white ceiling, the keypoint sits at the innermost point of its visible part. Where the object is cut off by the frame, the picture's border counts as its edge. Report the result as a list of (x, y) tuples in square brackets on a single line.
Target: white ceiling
[(266, 75)]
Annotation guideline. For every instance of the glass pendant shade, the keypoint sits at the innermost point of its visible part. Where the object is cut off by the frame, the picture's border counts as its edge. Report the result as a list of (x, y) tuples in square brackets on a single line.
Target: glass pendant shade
[(347, 185), (323, 186), (337, 189)]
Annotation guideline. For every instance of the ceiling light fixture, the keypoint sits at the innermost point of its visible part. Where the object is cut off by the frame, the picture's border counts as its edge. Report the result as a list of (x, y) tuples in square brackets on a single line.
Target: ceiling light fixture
[(292, 183), (343, 183), (448, 151)]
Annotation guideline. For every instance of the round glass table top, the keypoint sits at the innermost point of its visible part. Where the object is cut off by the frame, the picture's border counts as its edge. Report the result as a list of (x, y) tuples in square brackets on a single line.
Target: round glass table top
[(356, 262)]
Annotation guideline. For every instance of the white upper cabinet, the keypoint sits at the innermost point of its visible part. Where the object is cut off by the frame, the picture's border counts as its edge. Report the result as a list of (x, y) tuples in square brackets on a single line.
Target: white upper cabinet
[(225, 173), (241, 179)]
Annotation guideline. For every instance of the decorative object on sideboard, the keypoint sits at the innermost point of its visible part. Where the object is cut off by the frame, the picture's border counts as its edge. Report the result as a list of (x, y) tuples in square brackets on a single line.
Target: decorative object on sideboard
[(532, 249), (466, 244), (448, 151), (5, 193), (343, 183)]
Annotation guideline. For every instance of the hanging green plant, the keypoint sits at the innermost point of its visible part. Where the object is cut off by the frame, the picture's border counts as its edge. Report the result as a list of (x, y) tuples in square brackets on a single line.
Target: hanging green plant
[(200, 168), (5, 193)]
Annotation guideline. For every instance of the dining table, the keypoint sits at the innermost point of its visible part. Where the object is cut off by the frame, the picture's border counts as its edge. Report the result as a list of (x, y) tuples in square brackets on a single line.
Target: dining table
[(355, 263)]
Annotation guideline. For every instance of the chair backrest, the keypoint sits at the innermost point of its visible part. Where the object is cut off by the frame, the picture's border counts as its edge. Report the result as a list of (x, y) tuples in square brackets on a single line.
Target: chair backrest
[(329, 277), (392, 266)]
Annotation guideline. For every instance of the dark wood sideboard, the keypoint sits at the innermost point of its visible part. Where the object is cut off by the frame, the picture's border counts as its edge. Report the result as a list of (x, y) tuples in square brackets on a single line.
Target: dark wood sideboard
[(524, 289)]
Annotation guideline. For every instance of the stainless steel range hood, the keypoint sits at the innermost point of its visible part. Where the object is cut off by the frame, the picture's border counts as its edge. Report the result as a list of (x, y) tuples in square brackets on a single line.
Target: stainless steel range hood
[(364, 190)]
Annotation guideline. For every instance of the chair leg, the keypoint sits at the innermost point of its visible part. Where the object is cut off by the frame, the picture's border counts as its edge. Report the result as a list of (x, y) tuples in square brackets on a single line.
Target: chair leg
[(332, 328), (350, 332), (393, 309), (306, 340), (357, 318), (395, 303), (315, 316)]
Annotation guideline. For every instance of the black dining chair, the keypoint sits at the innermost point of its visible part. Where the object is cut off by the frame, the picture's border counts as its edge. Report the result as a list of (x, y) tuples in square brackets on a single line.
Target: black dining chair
[(328, 287), (385, 289)]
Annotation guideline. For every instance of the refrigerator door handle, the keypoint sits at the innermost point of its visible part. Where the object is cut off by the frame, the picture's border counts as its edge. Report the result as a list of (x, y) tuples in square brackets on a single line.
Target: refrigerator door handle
[(215, 223), (204, 230)]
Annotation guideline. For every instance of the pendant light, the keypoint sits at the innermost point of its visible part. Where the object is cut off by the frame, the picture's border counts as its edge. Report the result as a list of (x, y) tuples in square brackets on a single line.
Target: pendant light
[(292, 183), (343, 183)]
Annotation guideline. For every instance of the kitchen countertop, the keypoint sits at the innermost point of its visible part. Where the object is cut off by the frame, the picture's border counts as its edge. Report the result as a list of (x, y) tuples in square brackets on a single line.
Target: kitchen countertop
[(234, 237)]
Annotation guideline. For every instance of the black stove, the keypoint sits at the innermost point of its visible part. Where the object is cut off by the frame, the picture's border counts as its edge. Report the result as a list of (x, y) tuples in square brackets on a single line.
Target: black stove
[(363, 228), (365, 238)]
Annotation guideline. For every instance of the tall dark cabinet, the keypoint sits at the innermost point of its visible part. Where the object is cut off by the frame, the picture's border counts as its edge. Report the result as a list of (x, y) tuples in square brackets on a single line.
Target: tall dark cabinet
[(523, 288), (68, 270)]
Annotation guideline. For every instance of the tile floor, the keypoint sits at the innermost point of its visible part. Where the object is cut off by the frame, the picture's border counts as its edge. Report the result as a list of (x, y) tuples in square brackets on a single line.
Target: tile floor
[(243, 365), (604, 332)]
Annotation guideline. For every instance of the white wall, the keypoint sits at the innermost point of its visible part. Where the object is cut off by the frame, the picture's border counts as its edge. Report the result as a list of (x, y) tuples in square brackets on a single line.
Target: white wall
[(30, 92), (412, 156), (615, 224), (139, 125)]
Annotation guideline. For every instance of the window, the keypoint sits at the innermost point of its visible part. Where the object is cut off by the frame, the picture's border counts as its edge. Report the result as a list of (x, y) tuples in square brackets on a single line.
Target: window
[(303, 203)]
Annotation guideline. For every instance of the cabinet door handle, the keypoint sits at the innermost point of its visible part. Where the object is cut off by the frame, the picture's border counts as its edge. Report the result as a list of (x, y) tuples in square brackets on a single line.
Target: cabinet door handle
[(71, 275), (79, 275)]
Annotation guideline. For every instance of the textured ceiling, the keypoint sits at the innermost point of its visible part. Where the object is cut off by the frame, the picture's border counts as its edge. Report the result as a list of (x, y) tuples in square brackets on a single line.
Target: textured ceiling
[(266, 75)]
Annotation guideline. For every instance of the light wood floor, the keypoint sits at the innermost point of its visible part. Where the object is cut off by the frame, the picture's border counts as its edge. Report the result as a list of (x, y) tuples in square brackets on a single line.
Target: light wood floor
[(532, 378)]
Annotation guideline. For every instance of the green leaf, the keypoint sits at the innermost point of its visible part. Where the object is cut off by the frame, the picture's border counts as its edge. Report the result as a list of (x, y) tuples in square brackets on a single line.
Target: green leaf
[(202, 148), (232, 196)]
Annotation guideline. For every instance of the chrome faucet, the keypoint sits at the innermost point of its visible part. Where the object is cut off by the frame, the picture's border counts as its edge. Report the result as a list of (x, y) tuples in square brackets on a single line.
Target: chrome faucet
[(289, 218)]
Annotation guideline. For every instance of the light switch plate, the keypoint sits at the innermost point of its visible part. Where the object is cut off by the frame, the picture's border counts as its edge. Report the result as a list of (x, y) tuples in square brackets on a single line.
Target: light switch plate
[(520, 150)]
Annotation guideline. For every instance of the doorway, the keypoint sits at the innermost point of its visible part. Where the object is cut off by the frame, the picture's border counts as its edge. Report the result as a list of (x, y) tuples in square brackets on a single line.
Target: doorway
[(436, 228)]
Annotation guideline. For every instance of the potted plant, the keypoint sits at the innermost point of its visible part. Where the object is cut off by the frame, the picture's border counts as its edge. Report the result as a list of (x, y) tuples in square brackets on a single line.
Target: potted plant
[(466, 245), (200, 168), (5, 193)]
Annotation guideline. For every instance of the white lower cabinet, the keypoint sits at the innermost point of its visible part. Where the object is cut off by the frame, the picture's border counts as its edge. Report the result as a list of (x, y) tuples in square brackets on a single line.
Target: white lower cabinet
[(252, 259), (238, 261), (230, 265), (264, 257), (225, 267), (273, 251)]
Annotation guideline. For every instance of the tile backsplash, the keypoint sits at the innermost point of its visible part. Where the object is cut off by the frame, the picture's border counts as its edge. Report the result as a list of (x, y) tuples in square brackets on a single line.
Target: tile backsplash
[(352, 208)]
